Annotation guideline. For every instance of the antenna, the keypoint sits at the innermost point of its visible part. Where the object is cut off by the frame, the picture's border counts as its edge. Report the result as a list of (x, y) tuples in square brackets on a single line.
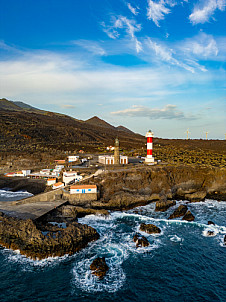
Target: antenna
[(206, 134), (187, 133)]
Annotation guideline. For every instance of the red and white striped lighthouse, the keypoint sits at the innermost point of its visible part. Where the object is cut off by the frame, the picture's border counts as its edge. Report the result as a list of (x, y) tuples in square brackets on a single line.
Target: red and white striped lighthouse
[(149, 159)]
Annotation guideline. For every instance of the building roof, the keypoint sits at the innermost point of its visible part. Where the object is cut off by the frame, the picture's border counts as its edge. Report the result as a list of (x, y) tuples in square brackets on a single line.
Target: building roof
[(58, 184), (83, 187), (51, 179)]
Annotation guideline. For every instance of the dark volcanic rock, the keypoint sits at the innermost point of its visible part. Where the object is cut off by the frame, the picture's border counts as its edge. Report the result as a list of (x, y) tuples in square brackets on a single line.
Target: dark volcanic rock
[(99, 267), (164, 205), (150, 228), (210, 233), (211, 222), (24, 235), (225, 239), (189, 216), (180, 211), (140, 240)]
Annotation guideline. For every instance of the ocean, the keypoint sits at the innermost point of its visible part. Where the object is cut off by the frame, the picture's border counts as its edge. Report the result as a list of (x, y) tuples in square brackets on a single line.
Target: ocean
[(181, 264)]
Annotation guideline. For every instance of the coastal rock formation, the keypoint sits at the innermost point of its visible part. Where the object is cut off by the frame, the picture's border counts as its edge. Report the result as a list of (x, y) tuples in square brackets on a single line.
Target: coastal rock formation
[(140, 240), (225, 239), (211, 222), (196, 196), (189, 216), (150, 228), (32, 242), (99, 267), (179, 212), (164, 205)]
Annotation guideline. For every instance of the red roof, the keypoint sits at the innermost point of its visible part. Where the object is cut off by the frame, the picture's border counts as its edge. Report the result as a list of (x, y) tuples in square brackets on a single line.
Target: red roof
[(84, 187), (58, 184)]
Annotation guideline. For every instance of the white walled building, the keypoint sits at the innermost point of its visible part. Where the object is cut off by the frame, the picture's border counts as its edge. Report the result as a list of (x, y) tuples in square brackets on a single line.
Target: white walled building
[(83, 189), (71, 176), (110, 160), (72, 158), (58, 185), (51, 181)]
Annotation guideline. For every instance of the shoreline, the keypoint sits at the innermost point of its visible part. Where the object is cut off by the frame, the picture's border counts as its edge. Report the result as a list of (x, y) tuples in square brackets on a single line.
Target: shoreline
[(120, 191)]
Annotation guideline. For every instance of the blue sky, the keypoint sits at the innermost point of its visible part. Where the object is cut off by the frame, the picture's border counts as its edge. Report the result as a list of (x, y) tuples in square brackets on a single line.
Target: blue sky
[(147, 64)]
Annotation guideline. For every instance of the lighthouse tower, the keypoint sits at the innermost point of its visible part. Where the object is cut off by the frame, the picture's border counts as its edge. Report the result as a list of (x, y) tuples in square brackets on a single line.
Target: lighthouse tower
[(149, 159), (116, 153)]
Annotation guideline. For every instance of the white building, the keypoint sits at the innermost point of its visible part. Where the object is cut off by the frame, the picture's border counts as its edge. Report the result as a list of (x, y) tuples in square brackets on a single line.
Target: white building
[(58, 185), (72, 158), (110, 160), (83, 189), (71, 176), (45, 172), (26, 172), (51, 181)]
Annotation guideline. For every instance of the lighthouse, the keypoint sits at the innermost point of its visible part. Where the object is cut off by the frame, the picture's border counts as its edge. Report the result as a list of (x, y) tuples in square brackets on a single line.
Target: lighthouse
[(116, 153), (149, 159)]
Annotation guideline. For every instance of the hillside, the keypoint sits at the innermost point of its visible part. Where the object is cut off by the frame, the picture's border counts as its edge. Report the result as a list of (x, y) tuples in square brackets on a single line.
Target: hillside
[(27, 129)]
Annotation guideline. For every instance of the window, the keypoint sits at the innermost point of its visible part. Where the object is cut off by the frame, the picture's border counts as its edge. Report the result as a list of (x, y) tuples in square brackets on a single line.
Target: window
[(77, 190), (89, 190)]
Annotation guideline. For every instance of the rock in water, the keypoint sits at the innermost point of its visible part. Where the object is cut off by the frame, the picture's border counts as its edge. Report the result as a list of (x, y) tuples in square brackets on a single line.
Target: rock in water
[(164, 205), (180, 211), (99, 267), (225, 239), (140, 240), (150, 228), (210, 233), (211, 222), (189, 216)]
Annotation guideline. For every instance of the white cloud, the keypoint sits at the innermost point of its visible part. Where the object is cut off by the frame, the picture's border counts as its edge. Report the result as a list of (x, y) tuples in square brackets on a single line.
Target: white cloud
[(110, 31), (156, 11), (167, 112), (91, 46), (202, 46), (132, 9), (122, 23), (204, 10), (166, 54)]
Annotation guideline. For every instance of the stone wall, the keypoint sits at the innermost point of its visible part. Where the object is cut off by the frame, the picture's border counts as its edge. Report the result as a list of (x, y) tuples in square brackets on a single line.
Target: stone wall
[(78, 199), (43, 197)]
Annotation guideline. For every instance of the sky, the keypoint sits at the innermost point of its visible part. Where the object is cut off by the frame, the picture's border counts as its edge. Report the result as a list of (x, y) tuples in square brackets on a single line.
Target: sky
[(143, 64)]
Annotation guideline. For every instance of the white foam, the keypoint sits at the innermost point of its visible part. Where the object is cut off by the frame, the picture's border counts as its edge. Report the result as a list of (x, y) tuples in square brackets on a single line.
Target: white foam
[(115, 277), (176, 238), (28, 263), (10, 194)]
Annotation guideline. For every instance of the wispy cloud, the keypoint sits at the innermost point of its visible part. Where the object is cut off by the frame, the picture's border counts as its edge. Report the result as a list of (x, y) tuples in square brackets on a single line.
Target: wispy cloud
[(167, 112), (91, 46), (203, 46), (132, 9), (130, 26), (167, 55), (156, 11), (205, 9)]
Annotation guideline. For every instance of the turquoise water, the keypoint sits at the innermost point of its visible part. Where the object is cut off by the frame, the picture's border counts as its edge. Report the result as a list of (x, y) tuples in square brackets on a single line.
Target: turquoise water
[(181, 264)]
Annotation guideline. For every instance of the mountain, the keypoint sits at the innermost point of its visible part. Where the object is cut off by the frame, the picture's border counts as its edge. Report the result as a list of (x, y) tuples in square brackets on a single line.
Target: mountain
[(25, 106), (26, 129), (96, 121), (122, 128), (18, 106)]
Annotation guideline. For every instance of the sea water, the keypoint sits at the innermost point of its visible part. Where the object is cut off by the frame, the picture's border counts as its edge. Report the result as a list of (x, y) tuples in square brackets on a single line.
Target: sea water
[(181, 264)]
